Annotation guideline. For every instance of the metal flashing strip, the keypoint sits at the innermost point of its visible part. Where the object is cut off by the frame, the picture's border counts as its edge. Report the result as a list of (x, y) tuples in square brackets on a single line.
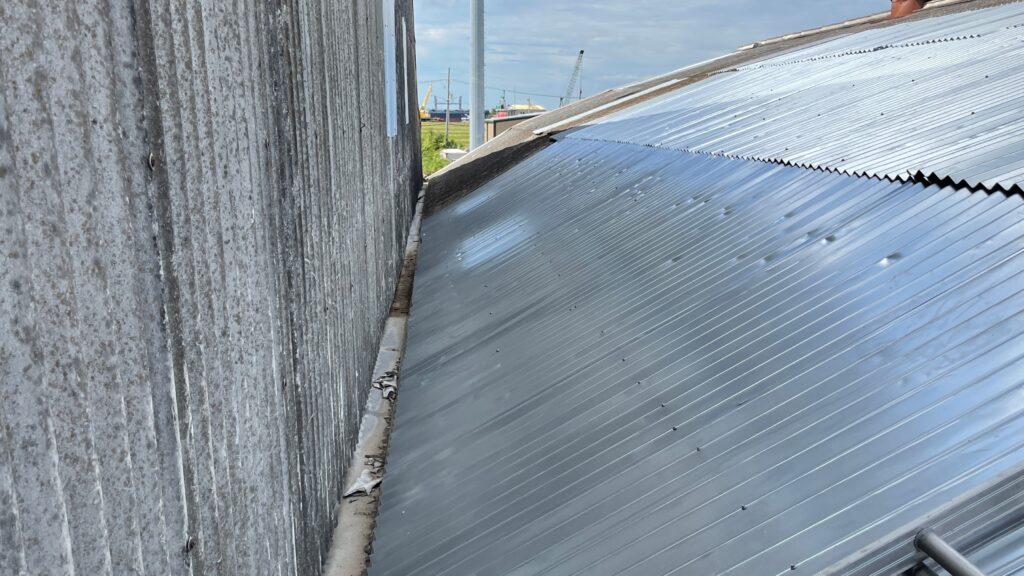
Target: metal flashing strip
[(957, 25), (633, 360), (870, 19), (862, 50), (599, 109)]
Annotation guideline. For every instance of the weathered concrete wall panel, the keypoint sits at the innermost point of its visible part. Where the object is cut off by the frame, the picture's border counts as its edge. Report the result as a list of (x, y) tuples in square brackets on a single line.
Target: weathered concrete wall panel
[(201, 223)]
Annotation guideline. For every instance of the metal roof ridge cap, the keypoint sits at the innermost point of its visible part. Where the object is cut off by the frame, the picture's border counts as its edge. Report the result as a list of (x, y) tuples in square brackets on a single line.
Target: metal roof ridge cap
[(676, 72), (625, 99), (870, 19)]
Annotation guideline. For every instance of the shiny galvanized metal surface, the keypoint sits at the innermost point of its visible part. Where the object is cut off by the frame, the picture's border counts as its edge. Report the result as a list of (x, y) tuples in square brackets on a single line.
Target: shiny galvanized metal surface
[(1002, 556), (634, 360), (937, 99)]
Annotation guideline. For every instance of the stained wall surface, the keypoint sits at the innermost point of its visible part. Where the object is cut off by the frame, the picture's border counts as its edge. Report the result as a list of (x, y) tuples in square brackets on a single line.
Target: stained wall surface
[(202, 215)]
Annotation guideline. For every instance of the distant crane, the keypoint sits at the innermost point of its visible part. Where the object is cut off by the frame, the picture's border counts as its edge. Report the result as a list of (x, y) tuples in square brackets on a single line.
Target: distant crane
[(576, 72), (424, 115)]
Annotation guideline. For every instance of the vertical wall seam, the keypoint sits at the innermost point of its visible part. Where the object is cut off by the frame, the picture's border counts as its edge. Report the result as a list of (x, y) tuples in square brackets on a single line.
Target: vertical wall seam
[(170, 297)]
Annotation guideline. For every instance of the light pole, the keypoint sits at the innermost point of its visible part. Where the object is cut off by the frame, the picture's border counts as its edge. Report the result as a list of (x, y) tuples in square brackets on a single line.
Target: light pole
[(476, 65)]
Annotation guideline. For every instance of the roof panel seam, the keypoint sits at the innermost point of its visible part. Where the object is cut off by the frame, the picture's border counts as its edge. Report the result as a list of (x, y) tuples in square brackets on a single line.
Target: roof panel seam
[(915, 176)]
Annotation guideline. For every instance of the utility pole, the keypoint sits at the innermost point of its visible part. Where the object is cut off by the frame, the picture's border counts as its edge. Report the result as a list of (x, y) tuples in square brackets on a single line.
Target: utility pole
[(476, 65), (447, 107)]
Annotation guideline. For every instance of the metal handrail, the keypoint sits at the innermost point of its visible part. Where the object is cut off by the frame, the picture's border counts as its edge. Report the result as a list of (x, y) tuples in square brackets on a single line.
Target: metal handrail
[(945, 555)]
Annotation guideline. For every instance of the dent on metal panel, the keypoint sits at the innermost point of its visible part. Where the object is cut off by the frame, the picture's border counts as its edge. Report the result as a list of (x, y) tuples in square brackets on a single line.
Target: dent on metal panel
[(633, 360), (937, 100)]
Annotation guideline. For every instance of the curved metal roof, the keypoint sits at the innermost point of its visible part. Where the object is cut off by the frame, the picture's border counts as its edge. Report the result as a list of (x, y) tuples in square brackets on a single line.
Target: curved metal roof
[(939, 99), (626, 360), (664, 346)]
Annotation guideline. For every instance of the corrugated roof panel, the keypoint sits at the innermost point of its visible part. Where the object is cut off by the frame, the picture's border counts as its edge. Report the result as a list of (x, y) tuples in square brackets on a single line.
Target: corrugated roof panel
[(633, 360), (1003, 556), (928, 30), (952, 109)]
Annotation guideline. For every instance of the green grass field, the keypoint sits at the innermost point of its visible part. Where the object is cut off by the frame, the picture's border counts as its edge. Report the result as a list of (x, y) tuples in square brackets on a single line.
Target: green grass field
[(432, 142)]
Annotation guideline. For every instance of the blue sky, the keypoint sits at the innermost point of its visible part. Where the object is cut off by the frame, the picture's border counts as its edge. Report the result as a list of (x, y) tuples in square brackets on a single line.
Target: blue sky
[(532, 44)]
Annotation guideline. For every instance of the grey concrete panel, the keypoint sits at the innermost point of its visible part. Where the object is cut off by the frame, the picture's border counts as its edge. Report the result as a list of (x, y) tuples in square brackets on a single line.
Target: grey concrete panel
[(203, 223)]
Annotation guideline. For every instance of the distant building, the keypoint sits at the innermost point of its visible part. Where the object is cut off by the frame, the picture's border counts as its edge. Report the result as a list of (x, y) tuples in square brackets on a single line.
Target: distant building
[(454, 115), (517, 110), (497, 124)]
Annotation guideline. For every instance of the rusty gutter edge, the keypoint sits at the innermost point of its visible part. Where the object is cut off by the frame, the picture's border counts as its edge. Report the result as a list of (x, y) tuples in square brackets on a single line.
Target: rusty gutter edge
[(352, 541)]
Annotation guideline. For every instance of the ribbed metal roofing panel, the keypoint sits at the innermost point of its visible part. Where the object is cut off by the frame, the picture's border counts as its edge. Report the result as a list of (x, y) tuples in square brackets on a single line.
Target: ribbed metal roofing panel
[(1002, 556), (939, 99), (632, 360), (929, 30)]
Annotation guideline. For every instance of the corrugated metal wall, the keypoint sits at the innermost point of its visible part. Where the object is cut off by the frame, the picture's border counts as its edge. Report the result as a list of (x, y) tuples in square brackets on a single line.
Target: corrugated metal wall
[(201, 222)]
